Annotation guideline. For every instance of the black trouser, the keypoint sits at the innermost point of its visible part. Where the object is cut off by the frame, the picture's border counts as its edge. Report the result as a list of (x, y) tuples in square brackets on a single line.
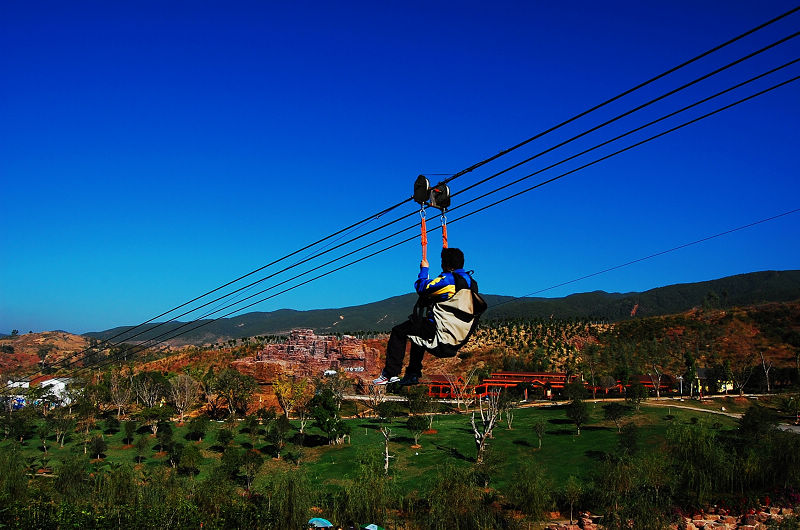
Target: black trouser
[(396, 349)]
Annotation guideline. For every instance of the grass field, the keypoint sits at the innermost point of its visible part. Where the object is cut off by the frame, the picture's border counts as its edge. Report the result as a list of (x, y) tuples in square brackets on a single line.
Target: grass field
[(562, 454)]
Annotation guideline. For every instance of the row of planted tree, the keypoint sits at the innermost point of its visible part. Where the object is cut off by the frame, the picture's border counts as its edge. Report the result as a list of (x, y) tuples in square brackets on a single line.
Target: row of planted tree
[(750, 349), (632, 484)]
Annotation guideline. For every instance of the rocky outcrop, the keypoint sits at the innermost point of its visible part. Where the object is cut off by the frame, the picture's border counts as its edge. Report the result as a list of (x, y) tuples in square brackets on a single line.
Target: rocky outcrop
[(309, 355), (721, 520)]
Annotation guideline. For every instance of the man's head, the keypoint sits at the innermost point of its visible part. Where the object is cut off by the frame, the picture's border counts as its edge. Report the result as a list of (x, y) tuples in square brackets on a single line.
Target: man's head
[(452, 259)]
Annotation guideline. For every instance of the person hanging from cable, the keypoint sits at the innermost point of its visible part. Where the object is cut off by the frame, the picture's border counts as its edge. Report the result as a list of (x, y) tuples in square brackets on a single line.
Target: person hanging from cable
[(446, 312)]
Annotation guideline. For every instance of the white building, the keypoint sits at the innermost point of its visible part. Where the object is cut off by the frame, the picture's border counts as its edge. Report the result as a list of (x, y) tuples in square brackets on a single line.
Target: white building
[(58, 388)]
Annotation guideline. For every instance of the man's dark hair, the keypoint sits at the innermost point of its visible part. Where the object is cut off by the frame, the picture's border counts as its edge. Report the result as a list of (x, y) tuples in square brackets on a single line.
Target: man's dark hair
[(452, 258)]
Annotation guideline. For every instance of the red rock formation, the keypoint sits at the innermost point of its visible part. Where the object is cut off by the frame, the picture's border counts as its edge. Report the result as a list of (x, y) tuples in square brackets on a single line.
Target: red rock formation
[(309, 355)]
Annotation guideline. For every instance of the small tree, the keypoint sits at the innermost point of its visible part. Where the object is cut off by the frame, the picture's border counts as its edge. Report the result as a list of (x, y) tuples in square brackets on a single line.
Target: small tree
[(198, 427), (376, 395), (636, 394), (578, 412), (190, 459), (174, 453), (251, 464), (490, 410), (232, 459), (629, 439), (386, 411), (251, 426), (530, 490), (509, 401), (572, 493), (277, 433), (97, 446), (153, 417), (142, 445), (539, 426), (165, 437), (44, 432), (416, 425), (130, 428), (62, 423), (224, 437), (328, 420), (149, 388), (111, 424), (614, 411)]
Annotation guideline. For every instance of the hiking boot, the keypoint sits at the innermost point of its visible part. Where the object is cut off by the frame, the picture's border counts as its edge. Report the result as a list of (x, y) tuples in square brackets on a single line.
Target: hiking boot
[(385, 380), (410, 379)]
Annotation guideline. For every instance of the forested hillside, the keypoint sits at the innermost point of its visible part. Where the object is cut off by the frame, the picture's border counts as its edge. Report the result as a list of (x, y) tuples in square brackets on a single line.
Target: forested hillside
[(739, 290), (739, 343)]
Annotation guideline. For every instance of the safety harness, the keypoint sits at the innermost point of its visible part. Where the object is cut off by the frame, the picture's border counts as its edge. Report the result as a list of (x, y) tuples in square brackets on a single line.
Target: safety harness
[(456, 318)]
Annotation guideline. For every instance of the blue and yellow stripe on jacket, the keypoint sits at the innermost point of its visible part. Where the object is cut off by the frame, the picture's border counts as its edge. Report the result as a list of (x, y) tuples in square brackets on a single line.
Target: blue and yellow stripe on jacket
[(441, 288)]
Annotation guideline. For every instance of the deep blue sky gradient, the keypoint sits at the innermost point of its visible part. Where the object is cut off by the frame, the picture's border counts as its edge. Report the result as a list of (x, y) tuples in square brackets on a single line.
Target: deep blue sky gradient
[(151, 151)]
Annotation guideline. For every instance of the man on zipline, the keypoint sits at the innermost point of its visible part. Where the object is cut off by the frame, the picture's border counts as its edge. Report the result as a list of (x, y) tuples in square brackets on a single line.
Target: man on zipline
[(421, 327)]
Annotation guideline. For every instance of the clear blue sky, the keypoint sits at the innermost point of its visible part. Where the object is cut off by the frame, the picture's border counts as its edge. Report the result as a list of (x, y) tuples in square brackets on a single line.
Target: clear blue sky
[(150, 151)]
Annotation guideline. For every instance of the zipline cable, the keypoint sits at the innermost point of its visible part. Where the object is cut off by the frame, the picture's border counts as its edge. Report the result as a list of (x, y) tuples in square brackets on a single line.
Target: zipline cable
[(524, 191), (478, 210), (475, 166), (625, 93), (635, 109), (704, 100)]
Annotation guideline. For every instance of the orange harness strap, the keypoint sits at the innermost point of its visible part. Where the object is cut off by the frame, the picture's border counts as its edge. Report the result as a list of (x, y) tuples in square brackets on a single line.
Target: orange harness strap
[(424, 236), (444, 231)]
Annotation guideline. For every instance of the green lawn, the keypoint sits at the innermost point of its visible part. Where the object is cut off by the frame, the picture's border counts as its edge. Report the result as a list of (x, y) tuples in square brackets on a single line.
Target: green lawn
[(562, 454)]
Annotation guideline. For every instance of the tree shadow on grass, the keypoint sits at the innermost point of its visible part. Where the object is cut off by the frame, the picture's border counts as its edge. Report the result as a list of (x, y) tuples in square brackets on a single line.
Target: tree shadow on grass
[(314, 440), (403, 439), (596, 455), (452, 451), (597, 428), (562, 432), (524, 443)]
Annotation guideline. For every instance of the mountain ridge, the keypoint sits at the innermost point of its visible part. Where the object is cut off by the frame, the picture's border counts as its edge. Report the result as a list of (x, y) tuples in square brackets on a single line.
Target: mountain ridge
[(740, 289)]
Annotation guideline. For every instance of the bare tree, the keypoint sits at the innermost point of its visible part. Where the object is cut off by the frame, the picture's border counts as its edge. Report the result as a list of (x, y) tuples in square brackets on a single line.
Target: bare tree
[(490, 411), (766, 366), (375, 396), (461, 389), (508, 404), (385, 411), (121, 391), (184, 391), (741, 371), (148, 389)]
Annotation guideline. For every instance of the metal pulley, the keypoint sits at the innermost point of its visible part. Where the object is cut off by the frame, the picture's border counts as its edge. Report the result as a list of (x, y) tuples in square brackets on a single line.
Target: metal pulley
[(437, 196)]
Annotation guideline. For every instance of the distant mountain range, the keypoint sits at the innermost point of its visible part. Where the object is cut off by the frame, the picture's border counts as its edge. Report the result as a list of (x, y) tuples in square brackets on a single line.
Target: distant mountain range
[(739, 290)]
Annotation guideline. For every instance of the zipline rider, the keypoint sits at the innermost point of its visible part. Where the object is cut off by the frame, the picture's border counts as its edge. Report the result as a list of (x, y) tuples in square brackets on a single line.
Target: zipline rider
[(434, 327)]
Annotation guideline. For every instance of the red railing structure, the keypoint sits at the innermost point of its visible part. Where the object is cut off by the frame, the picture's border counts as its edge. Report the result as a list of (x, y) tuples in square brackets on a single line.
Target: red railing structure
[(445, 387)]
